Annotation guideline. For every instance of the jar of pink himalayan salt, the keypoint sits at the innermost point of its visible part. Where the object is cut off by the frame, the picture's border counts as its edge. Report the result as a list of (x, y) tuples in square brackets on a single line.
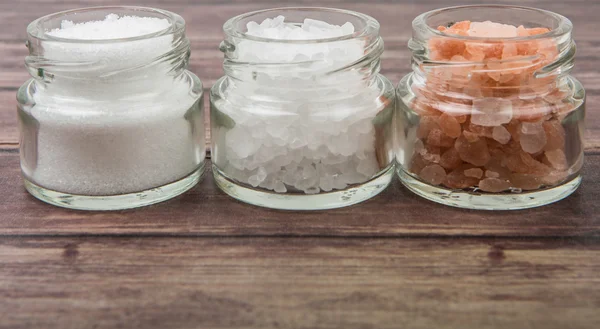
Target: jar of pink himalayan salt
[(490, 117)]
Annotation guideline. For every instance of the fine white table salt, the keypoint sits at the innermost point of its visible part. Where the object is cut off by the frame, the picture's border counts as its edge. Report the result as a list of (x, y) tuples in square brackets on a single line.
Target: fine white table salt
[(112, 27), (317, 135), (104, 125)]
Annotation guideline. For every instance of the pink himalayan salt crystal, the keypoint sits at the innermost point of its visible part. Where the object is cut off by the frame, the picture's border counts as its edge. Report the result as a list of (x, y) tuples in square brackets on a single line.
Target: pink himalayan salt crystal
[(430, 153), (532, 137), (490, 29), (471, 137), (450, 159), (495, 169), (501, 134), (418, 146), (494, 185), (426, 124), (530, 110), (480, 130), (474, 151), (557, 159), (555, 135), (524, 163), (417, 163), (450, 126), (474, 172), (491, 174), (554, 177), (457, 179), (437, 137), (433, 174), (525, 181), (491, 111), (514, 127)]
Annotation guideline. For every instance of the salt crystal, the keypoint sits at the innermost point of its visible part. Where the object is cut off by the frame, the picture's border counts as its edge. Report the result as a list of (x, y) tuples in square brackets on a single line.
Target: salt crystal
[(450, 159), (112, 27), (490, 29), (501, 134), (475, 152), (457, 179), (491, 111), (426, 124), (254, 180), (493, 185), (532, 137), (557, 159), (433, 174), (524, 181), (280, 187), (261, 174), (474, 172), (437, 137), (326, 183), (555, 135), (449, 125), (491, 174)]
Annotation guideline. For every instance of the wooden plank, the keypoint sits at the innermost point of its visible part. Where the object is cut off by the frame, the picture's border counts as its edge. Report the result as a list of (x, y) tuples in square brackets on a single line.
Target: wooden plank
[(206, 211), (298, 283)]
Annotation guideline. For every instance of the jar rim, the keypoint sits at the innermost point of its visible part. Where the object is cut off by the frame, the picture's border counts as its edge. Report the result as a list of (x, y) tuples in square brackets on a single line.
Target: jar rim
[(371, 25), (564, 24), (36, 31)]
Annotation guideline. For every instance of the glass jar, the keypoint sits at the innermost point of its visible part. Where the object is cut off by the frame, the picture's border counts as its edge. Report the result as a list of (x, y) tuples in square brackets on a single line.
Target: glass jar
[(110, 123), (491, 122), (302, 124)]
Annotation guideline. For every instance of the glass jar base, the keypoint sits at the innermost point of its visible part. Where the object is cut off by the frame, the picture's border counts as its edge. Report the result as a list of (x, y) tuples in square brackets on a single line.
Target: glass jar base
[(115, 202), (485, 201), (321, 201)]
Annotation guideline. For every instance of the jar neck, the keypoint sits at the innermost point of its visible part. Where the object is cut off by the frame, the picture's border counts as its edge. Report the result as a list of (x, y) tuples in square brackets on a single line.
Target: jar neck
[(460, 68), (324, 64), (358, 63), (111, 66)]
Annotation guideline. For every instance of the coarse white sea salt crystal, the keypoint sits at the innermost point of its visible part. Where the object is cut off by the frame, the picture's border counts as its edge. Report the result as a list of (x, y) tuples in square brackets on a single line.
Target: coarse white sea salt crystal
[(105, 135), (319, 136), (340, 52)]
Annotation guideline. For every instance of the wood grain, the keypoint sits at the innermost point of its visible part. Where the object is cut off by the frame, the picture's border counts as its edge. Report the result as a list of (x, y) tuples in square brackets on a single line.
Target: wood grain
[(264, 283), (206, 211)]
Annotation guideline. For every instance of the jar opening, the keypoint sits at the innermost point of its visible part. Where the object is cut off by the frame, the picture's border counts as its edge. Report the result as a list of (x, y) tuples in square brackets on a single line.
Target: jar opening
[(364, 25), (39, 28), (509, 15)]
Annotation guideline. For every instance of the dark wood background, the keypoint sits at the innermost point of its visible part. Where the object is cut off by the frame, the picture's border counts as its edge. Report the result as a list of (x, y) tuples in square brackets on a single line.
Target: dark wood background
[(204, 260)]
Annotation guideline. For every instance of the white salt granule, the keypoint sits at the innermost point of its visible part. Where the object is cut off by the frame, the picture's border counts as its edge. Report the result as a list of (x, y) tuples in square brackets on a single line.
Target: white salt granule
[(102, 59), (112, 27), (310, 29), (318, 135)]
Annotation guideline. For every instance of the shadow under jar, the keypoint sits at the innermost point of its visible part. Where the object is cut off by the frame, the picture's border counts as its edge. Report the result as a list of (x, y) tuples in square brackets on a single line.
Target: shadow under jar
[(111, 118), (304, 121), (490, 117)]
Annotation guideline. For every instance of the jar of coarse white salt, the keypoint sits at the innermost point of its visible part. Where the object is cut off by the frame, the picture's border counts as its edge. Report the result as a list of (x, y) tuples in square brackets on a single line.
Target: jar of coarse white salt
[(302, 119), (111, 118)]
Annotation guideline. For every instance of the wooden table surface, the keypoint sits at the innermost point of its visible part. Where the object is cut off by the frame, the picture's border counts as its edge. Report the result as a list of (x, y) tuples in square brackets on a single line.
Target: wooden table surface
[(204, 260)]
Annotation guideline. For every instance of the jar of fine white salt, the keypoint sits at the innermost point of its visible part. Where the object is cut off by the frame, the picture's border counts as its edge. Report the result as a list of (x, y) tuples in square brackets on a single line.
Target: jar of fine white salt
[(302, 119), (111, 118)]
